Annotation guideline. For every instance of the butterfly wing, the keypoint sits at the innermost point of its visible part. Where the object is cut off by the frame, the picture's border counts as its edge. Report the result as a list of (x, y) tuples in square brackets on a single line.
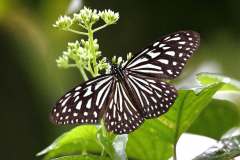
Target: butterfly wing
[(166, 57), (122, 115), (84, 104), (154, 95)]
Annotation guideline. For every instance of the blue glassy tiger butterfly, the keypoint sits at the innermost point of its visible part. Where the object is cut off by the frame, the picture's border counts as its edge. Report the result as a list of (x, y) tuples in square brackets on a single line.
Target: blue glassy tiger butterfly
[(133, 92)]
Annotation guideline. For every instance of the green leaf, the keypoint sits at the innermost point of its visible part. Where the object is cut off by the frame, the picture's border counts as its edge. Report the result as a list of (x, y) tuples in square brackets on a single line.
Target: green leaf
[(81, 157), (155, 139), (79, 140), (217, 112), (210, 78), (226, 148)]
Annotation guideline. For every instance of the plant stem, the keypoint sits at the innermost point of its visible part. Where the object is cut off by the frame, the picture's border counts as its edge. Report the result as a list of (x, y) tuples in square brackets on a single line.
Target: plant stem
[(77, 32), (93, 52), (101, 27), (82, 26), (85, 77), (89, 68)]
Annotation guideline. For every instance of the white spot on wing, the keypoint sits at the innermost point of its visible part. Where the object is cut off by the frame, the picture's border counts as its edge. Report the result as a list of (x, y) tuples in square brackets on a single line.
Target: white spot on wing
[(182, 42), (78, 88), (76, 98), (174, 39), (67, 94), (153, 54), (64, 109), (162, 45), (78, 107), (167, 38), (164, 61), (89, 104), (165, 48), (95, 114), (65, 101), (148, 66), (88, 92), (169, 71), (170, 53), (155, 44)]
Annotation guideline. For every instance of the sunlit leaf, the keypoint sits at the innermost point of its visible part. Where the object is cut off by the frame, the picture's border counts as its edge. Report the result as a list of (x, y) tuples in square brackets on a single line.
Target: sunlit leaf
[(210, 78), (77, 141)]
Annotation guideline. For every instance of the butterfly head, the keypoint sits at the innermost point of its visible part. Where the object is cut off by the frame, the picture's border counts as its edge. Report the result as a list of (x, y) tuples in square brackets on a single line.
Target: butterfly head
[(115, 68)]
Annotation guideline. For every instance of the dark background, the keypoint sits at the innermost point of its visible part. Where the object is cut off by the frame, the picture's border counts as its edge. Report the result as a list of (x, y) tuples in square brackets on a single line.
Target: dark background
[(30, 81)]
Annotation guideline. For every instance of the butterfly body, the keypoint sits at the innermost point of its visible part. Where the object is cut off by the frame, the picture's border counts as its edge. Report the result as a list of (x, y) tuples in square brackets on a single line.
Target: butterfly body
[(118, 72), (132, 93)]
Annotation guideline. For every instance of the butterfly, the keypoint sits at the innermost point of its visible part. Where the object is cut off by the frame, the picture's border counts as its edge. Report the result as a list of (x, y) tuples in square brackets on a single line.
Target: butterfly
[(133, 92)]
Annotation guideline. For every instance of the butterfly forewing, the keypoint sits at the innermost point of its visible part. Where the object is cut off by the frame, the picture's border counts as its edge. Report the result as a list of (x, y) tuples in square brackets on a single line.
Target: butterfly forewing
[(84, 104), (165, 58), (154, 95), (122, 114)]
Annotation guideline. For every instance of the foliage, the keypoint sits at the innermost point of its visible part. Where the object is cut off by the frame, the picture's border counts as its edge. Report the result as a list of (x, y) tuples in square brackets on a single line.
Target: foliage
[(207, 123), (156, 138)]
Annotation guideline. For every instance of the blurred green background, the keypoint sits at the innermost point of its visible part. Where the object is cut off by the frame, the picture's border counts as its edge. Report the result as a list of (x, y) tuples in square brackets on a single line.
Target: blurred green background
[(31, 82)]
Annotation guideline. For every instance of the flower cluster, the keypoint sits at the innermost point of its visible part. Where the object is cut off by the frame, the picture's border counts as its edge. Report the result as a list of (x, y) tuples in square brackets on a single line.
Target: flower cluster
[(85, 54), (63, 22), (109, 17), (79, 55), (86, 18)]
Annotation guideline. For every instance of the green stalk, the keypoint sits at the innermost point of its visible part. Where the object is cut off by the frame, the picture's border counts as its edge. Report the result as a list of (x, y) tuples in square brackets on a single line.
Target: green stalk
[(77, 32), (101, 27), (85, 77), (93, 52)]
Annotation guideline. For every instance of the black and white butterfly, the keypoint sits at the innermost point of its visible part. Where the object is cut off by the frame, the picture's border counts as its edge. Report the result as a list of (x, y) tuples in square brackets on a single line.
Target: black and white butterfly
[(132, 93)]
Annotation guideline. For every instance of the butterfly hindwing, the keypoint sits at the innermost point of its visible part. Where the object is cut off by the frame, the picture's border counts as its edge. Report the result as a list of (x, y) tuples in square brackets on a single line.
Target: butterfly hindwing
[(84, 104), (165, 58), (154, 95), (122, 114)]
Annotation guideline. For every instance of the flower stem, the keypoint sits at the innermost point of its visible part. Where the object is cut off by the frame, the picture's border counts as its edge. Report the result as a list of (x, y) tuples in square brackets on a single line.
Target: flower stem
[(93, 52), (77, 32), (85, 77), (82, 26), (101, 27)]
